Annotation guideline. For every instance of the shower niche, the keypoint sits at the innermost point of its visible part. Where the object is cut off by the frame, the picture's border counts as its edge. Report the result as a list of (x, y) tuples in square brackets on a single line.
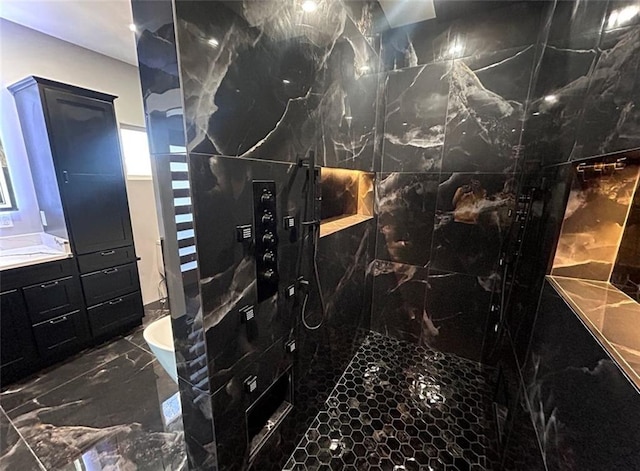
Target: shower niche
[(347, 198), (268, 412), (596, 265)]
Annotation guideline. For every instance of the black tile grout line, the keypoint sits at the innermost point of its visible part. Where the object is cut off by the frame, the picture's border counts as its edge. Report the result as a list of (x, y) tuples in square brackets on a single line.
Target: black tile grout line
[(355, 355), (21, 438), (146, 350), (464, 455), (73, 378)]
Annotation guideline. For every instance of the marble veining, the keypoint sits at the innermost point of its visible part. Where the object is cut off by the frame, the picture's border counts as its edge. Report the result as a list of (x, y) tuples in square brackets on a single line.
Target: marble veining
[(612, 316), (567, 373), (593, 223), (319, 70), (111, 406)]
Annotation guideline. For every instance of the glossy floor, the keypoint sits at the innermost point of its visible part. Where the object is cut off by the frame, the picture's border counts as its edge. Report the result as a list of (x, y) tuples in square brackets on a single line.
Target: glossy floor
[(399, 406), (111, 407)]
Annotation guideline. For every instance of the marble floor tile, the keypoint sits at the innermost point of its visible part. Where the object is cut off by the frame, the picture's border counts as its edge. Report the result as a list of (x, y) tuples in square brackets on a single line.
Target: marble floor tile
[(123, 414), (59, 374), (14, 452)]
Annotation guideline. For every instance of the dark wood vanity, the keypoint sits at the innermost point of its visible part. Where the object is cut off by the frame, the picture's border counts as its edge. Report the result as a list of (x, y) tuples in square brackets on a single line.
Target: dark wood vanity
[(55, 308)]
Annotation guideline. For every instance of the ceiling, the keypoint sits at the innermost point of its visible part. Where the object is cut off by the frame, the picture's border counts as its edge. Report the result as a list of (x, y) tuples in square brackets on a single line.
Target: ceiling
[(99, 25)]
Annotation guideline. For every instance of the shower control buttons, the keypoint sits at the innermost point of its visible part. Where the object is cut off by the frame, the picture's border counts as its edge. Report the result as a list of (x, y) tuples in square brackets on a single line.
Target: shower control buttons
[(247, 313), (269, 257), (267, 217), (266, 237), (290, 346), (244, 233), (268, 275), (291, 291), (269, 239), (251, 383), (289, 222), (267, 196)]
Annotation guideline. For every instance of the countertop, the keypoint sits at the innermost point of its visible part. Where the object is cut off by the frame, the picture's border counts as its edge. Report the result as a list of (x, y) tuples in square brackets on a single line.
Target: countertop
[(30, 249), (611, 315)]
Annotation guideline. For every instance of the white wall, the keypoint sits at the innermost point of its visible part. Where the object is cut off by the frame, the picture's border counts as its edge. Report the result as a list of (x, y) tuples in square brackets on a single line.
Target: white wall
[(24, 52)]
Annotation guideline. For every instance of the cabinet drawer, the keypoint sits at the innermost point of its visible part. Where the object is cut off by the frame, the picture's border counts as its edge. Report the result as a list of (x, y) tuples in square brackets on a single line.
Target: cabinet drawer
[(106, 258), (61, 333), (106, 317), (51, 299), (110, 283), (39, 273)]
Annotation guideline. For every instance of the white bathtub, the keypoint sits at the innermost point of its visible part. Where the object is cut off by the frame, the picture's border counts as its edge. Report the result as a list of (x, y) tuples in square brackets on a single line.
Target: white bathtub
[(159, 337)]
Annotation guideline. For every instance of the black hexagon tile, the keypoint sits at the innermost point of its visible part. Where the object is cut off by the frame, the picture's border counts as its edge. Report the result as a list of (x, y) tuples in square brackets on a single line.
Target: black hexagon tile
[(401, 407)]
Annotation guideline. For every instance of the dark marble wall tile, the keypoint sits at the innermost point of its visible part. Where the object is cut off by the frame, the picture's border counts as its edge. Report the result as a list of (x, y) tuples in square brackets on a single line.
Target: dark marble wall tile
[(232, 401), (621, 13), (567, 381), (482, 28), (610, 117), (367, 15), (456, 313), (472, 222), (398, 300), (525, 272), (486, 110), (222, 194), (557, 103), (414, 44), (277, 82), (491, 30), (577, 24), (522, 449), (406, 205), (626, 270), (593, 223), (159, 75), (415, 115)]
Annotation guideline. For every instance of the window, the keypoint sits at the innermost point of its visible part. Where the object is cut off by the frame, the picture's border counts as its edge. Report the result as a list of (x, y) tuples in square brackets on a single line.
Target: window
[(7, 198), (135, 149)]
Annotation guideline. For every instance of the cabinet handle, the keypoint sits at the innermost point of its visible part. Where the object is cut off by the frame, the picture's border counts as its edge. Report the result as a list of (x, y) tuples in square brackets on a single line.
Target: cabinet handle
[(57, 321), (115, 301), (109, 271), (110, 252), (49, 285), (65, 176)]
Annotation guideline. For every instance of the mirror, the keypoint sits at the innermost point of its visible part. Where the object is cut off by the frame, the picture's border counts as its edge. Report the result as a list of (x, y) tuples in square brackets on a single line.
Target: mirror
[(7, 198)]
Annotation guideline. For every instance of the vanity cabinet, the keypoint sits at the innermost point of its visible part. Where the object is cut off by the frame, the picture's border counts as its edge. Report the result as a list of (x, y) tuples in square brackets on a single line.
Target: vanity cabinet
[(74, 132), (72, 141), (43, 317), (17, 345)]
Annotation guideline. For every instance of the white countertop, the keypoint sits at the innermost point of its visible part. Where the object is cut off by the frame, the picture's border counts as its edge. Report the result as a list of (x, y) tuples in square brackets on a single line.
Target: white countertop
[(31, 249)]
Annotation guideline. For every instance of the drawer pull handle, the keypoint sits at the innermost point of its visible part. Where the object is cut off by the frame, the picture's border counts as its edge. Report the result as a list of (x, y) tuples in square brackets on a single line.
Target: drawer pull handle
[(49, 285), (115, 301), (110, 271), (57, 321), (109, 252)]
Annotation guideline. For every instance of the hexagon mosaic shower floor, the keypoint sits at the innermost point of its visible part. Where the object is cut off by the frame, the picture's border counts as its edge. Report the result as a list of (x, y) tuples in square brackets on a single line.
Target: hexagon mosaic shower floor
[(399, 406)]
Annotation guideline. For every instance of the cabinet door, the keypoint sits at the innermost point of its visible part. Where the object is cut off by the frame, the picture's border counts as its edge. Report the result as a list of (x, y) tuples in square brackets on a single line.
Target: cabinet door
[(17, 346), (97, 211), (83, 133)]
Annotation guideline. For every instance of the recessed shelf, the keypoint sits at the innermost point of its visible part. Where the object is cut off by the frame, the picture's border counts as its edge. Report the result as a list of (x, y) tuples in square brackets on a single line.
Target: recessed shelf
[(347, 199), (611, 316)]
